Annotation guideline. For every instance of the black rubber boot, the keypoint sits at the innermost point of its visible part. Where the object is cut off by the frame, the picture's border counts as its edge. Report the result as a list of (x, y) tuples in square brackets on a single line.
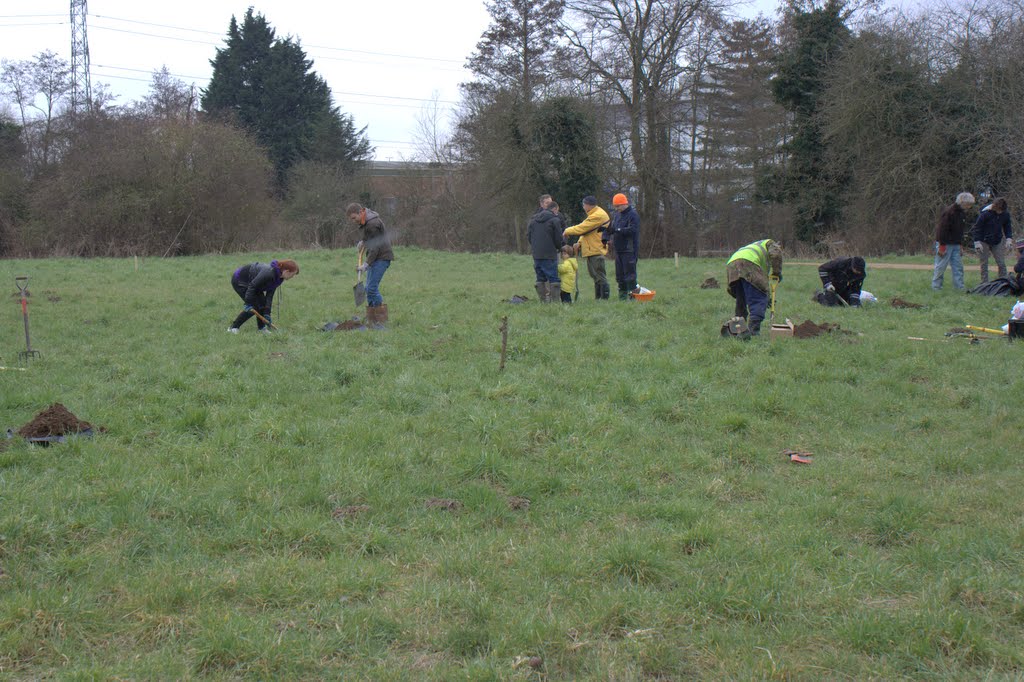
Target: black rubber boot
[(598, 289), (754, 326)]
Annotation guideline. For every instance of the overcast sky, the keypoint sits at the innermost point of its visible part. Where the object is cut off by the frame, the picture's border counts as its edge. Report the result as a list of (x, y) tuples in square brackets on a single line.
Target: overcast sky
[(383, 59)]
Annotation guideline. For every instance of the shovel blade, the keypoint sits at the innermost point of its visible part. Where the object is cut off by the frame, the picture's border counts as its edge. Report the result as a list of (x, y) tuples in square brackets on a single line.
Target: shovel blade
[(359, 292)]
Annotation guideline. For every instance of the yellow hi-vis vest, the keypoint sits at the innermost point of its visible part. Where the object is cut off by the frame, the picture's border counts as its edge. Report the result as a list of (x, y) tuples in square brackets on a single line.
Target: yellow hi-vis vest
[(756, 253)]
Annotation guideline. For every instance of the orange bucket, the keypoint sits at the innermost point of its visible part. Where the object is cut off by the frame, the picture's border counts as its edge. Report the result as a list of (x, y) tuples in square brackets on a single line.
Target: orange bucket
[(646, 296)]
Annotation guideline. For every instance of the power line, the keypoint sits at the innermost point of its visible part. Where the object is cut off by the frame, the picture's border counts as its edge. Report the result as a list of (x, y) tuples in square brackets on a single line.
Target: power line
[(318, 47), (29, 16), (48, 23)]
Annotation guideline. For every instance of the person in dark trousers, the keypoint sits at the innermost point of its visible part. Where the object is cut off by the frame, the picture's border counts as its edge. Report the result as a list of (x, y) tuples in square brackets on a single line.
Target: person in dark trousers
[(749, 272), (842, 279), (545, 236), (592, 248), (255, 284), (949, 234), (993, 236), (377, 257), (624, 235)]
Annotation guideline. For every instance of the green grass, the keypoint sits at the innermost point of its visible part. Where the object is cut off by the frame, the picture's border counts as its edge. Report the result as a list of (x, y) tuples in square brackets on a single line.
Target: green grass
[(666, 536)]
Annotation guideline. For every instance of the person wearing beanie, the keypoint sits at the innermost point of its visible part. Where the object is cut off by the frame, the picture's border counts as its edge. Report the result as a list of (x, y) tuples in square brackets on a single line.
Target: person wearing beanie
[(255, 284), (590, 233), (750, 272), (377, 256), (949, 233), (841, 280), (993, 236), (624, 235)]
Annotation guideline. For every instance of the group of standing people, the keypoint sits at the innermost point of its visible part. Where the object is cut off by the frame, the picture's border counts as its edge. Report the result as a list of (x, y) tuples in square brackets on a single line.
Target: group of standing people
[(992, 235), (597, 236)]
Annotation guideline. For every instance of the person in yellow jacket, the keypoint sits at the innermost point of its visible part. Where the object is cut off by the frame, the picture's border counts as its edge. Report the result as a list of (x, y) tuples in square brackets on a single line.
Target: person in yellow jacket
[(593, 251), (567, 269), (749, 272)]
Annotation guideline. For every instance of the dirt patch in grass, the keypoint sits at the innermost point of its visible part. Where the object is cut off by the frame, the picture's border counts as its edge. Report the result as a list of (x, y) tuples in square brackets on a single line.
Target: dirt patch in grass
[(441, 503), (709, 283), (808, 329), (275, 356), (517, 299), (518, 503), (900, 303), (55, 420), (51, 296), (349, 511)]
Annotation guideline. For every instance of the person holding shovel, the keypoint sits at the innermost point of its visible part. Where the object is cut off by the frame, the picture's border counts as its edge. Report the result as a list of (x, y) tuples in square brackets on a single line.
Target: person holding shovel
[(376, 247), (256, 283), (592, 248), (751, 272), (841, 281)]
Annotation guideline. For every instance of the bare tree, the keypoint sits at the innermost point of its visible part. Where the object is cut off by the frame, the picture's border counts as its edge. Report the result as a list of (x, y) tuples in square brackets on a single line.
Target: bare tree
[(634, 48), (41, 90)]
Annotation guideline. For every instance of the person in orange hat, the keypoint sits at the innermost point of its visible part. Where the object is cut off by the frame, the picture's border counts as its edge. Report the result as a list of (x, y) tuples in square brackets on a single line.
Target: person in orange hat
[(624, 235)]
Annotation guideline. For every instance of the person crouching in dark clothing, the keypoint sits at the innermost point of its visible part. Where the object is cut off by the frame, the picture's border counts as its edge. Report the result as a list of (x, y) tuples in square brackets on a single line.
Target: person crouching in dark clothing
[(842, 279), (255, 284)]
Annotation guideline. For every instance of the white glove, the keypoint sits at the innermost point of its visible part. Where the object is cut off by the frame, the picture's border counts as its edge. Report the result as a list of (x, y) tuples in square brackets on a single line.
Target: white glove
[(830, 287), (977, 247)]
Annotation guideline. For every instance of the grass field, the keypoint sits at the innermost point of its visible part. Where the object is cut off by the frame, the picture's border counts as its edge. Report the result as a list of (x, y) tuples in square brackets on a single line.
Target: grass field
[(258, 506)]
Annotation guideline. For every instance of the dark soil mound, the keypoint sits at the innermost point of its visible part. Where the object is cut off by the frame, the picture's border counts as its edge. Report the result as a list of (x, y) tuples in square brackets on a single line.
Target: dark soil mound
[(709, 283), (807, 329), (900, 303), (517, 299), (56, 420)]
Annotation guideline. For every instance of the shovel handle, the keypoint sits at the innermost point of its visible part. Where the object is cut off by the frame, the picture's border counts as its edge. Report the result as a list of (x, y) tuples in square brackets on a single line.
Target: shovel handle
[(263, 320)]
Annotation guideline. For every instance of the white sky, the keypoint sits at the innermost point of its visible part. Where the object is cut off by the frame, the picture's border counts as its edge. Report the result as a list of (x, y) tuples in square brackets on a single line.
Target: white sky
[(383, 59)]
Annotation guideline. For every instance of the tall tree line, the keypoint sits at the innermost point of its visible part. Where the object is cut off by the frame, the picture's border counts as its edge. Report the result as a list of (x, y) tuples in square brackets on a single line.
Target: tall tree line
[(833, 123)]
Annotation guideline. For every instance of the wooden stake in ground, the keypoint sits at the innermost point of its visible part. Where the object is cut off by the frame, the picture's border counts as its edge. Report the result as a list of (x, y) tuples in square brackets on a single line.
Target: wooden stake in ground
[(504, 341)]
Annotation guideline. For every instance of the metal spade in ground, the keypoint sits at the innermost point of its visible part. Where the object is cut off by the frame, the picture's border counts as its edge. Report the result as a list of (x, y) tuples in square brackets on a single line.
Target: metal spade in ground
[(53, 422)]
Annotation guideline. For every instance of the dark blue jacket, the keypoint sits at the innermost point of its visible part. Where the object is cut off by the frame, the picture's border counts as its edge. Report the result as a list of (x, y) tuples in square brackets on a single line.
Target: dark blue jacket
[(992, 227), (625, 231)]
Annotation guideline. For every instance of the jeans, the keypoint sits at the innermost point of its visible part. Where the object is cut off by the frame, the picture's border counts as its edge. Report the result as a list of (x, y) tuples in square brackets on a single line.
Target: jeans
[(996, 252), (373, 276), (547, 270), (952, 259)]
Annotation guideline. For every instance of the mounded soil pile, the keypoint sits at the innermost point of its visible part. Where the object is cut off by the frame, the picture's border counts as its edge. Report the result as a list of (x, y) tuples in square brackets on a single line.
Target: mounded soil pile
[(349, 325), (900, 303), (709, 283), (807, 329), (518, 503), (517, 299), (55, 420)]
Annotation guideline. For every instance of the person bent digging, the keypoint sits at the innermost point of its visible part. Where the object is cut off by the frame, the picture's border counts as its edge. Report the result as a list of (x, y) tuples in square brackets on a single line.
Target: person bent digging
[(255, 284)]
